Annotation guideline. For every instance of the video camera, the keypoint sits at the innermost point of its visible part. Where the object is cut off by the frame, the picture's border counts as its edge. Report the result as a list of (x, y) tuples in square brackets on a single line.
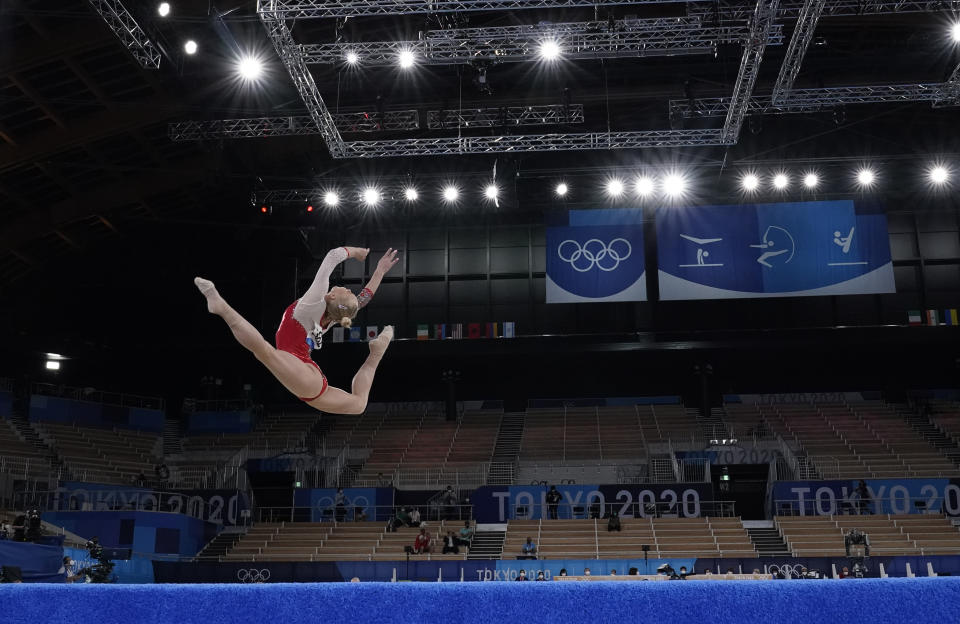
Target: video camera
[(101, 571), (856, 537)]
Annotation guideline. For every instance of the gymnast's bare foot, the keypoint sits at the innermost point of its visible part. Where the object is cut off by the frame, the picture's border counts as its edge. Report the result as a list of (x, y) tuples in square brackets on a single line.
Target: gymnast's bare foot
[(215, 303), (378, 345)]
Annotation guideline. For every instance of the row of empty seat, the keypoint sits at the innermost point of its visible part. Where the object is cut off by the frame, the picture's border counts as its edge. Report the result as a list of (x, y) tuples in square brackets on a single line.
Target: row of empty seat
[(914, 534), (103, 455)]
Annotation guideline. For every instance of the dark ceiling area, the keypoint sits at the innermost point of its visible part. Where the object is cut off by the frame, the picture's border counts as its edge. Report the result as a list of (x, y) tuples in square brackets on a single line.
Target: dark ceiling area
[(106, 217)]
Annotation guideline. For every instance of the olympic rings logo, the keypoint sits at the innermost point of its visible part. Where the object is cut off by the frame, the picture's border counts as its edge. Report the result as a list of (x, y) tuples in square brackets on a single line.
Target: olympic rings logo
[(253, 575), (594, 253)]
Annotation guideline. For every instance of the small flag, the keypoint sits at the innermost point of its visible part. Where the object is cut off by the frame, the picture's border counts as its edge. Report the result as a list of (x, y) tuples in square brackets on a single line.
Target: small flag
[(509, 327), (456, 331), (914, 317), (491, 330), (473, 330), (439, 331), (337, 334), (423, 332), (355, 334), (371, 332), (950, 316), (932, 317)]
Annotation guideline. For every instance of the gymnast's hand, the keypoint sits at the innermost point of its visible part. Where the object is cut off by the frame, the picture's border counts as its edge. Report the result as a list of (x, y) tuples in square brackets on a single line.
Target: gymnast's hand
[(387, 261)]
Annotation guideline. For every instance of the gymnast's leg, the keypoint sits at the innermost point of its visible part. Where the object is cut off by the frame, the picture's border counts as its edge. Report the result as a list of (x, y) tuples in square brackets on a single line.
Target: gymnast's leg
[(298, 377), (338, 401)]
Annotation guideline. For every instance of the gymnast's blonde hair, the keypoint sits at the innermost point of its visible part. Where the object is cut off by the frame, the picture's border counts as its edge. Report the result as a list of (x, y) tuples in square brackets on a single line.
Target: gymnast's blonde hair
[(342, 309)]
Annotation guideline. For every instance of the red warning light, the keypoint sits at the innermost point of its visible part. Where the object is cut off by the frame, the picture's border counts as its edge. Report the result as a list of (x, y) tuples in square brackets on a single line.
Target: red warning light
[(263, 209), (309, 208)]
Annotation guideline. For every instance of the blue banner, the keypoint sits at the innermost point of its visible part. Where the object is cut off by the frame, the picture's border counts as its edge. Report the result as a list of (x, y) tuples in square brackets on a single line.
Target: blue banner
[(883, 496), (517, 502), (37, 563), (377, 503), (773, 250), (596, 255), (216, 506)]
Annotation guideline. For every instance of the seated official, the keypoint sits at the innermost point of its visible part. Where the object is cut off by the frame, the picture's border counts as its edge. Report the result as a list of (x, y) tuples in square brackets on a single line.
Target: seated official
[(466, 535), (423, 543), (450, 544), (613, 524), (529, 550)]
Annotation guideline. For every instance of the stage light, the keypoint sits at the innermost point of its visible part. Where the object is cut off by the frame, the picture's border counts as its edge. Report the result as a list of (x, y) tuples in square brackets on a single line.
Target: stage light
[(411, 193), (353, 58), (549, 50), (264, 210), (491, 191), (750, 182), (451, 193), (674, 185), (163, 9), (249, 68), (371, 196), (644, 186), (865, 177), (561, 189), (811, 180), (331, 199), (53, 365), (406, 59), (781, 181), (190, 47), (309, 207), (955, 32), (939, 175), (614, 188)]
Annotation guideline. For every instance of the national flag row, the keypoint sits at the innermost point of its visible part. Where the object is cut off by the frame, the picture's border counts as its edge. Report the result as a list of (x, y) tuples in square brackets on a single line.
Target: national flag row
[(933, 317), (440, 331)]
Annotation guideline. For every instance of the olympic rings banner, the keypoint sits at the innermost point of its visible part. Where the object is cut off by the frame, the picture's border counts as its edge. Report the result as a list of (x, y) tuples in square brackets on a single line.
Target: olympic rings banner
[(596, 255), (375, 502), (773, 250)]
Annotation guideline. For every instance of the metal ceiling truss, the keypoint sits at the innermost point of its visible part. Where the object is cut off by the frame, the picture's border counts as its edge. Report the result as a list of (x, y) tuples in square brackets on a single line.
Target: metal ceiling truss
[(548, 29), (799, 42), (121, 22), (734, 10), (669, 38), (302, 9), (291, 126), (760, 26), (814, 100), (505, 116), (951, 91)]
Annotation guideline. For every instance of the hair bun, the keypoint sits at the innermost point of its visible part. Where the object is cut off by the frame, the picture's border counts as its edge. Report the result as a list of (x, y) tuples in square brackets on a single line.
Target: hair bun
[(346, 322)]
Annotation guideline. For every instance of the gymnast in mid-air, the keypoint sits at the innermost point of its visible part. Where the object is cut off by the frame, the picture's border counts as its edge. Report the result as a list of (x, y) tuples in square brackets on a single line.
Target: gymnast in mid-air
[(304, 323)]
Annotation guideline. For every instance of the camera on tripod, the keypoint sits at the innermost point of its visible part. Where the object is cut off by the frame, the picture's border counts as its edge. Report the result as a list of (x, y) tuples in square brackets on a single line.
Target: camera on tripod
[(101, 571), (856, 537)]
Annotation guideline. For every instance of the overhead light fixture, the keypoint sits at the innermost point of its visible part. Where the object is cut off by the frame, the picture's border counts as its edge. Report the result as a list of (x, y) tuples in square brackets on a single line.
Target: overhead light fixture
[(330, 198), (371, 196), (353, 58), (561, 189), (250, 68), (406, 59), (163, 9), (549, 50), (190, 47), (644, 186), (955, 32), (53, 365), (866, 177), (451, 193), (781, 181), (410, 193), (939, 175), (614, 188), (674, 185), (491, 191), (811, 180), (750, 182)]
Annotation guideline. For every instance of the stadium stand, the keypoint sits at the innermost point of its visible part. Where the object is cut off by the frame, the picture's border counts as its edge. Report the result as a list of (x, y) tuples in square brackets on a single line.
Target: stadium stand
[(915, 534), (103, 455), (18, 457)]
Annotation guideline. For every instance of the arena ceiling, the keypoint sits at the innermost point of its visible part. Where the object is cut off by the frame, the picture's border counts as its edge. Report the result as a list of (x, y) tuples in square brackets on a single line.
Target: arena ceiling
[(90, 170)]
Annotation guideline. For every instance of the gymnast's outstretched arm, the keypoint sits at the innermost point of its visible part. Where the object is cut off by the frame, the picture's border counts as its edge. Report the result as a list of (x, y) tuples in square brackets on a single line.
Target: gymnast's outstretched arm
[(321, 282), (383, 266)]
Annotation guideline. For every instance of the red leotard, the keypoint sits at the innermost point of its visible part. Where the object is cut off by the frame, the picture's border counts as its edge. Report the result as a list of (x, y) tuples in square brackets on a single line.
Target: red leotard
[(292, 338)]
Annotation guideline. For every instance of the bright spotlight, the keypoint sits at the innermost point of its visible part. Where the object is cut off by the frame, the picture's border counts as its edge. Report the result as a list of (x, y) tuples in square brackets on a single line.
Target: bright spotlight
[(750, 182), (644, 186), (780, 181), (549, 50), (411, 193), (451, 193), (561, 189), (53, 365), (955, 32), (250, 68), (491, 191), (371, 196), (163, 9), (331, 199), (406, 59), (353, 58), (865, 177), (190, 47), (674, 185), (614, 188), (811, 180)]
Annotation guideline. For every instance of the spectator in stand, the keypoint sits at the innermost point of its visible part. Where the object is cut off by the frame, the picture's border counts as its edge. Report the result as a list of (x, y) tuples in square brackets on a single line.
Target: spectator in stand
[(613, 524), (359, 514), (633, 572), (563, 571), (613, 572), (466, 535), (401, 519), (449, 502), (422, 544), (586, 571), (529, 550), (522, 576), (383, 481), (845, 572), (540, 576), (863, 494), (340, 503), (553, 502), (414, 518), (683, 573), (450, 544), (5, 530)]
